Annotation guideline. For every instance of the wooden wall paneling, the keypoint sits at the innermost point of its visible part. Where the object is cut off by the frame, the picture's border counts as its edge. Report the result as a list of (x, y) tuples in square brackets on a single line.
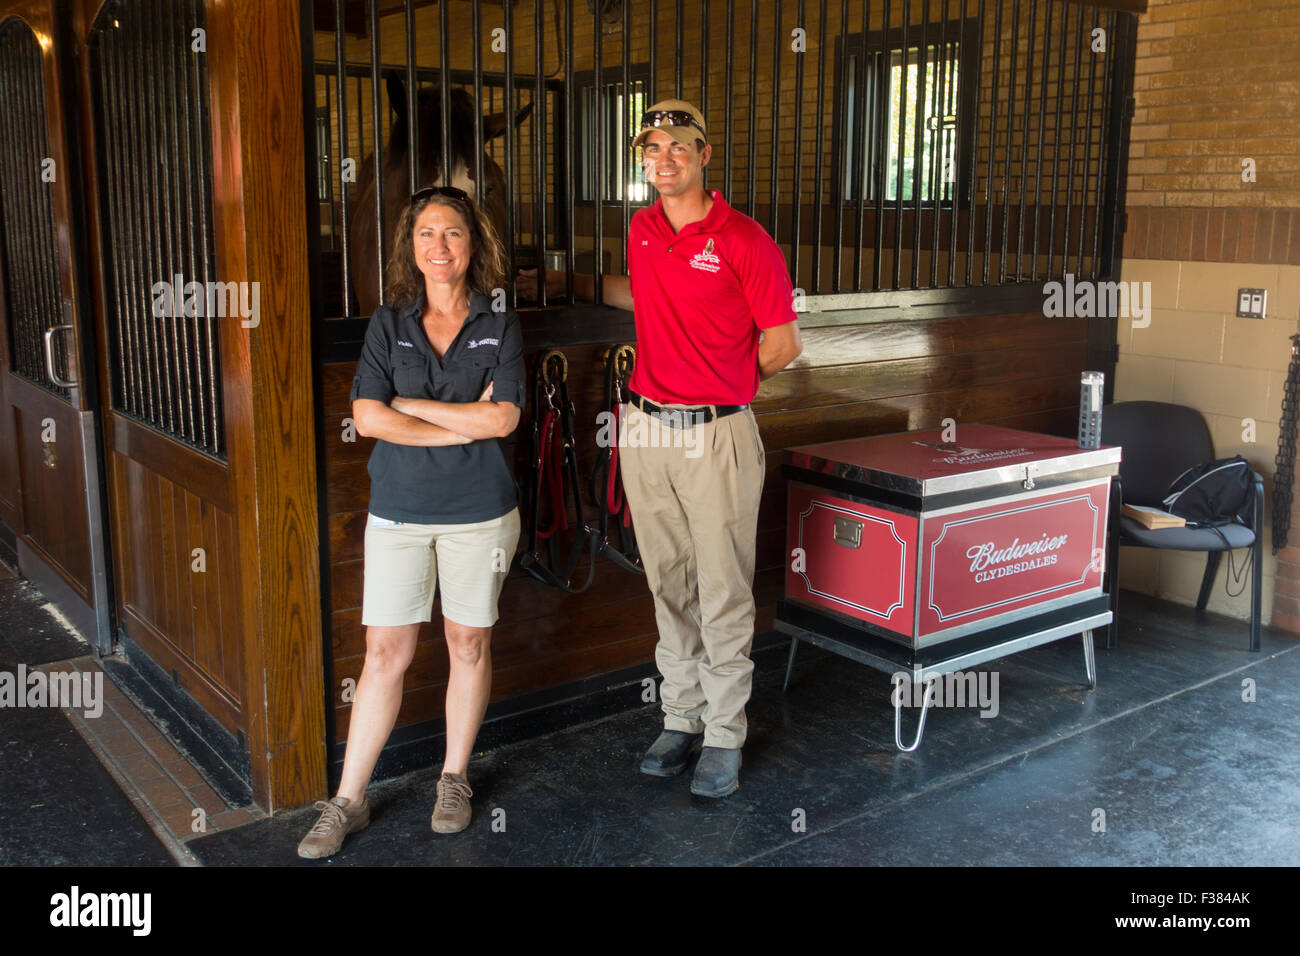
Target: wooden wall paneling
[(198, 610), (154, 545), (209, 695), (53, 499), (166, 557), (222, 530), (133, 587), (258, 144), (347, 535), (191, 469)]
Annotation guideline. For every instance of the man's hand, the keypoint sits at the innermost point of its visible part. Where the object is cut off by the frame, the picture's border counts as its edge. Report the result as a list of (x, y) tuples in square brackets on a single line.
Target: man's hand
[(781, 345)]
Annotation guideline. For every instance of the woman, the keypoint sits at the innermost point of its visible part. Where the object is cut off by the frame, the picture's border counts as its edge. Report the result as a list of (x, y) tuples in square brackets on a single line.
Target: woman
[(439, 384)]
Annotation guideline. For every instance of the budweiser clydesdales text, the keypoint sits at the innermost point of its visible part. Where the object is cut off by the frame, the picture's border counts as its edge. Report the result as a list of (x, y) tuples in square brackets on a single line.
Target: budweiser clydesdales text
[(984, 555)]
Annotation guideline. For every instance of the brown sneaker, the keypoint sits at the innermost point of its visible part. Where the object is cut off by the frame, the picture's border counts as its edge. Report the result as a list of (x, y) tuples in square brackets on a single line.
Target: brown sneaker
[(338, 818), (451, 812)]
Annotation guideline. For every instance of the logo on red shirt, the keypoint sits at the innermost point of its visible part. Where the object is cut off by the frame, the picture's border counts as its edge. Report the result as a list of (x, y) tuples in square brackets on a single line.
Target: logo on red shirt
[(706, 260)]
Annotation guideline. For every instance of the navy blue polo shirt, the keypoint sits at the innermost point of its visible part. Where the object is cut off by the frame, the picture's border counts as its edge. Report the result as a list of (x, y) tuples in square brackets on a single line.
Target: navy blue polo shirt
[(456, 484)]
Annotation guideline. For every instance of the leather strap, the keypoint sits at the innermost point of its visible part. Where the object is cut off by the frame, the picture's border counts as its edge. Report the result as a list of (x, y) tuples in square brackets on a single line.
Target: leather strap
[(555, 479), (606, 481)]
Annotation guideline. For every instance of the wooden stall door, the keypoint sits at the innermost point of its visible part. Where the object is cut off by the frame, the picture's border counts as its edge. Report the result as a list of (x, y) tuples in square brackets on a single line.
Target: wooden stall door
[(50, 484), (143, 83)]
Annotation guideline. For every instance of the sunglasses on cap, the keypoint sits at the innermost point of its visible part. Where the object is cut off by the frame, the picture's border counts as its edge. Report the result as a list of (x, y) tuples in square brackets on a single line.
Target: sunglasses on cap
[(451, 192), (670, 118)]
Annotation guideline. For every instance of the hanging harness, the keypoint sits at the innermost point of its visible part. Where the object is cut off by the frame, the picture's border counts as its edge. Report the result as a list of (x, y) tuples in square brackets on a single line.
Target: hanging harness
[(606, 479), (554, 476)]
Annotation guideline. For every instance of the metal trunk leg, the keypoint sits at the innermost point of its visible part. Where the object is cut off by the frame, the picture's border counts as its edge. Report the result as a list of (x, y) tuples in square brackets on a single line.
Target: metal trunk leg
[(898, 718), (1090, 659)]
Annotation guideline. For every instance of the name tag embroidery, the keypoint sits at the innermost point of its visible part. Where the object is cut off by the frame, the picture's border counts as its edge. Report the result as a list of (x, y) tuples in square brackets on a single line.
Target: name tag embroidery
[(477, 342), (405, 345)]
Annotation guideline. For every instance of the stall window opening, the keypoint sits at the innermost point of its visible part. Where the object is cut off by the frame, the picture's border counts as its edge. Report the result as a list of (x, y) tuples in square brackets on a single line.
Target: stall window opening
[(938, 101), (620, 118)]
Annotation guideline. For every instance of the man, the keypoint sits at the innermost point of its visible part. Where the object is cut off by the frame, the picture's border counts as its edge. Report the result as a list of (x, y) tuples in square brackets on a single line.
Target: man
[(714, 315)]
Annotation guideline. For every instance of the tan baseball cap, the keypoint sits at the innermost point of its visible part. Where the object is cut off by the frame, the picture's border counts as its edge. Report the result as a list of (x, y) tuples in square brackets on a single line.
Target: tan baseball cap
[(678, 118)]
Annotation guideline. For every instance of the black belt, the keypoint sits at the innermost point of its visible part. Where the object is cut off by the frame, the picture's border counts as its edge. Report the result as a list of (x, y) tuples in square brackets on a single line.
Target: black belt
[(682, 417)]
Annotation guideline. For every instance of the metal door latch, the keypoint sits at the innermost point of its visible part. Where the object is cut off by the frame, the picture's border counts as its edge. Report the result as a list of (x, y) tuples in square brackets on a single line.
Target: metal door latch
[(848, 532)]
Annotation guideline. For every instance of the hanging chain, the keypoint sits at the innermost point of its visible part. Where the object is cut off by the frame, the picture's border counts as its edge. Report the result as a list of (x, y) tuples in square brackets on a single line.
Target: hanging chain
[(1285, 460)]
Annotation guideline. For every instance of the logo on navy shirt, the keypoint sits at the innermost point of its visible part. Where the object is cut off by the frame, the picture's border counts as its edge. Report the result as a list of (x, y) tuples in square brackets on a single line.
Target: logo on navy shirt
[(477, 342), (706, 260), (407, 345)]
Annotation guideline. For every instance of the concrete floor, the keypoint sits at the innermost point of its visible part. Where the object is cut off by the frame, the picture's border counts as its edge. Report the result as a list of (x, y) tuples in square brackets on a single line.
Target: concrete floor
[(1181, 770)]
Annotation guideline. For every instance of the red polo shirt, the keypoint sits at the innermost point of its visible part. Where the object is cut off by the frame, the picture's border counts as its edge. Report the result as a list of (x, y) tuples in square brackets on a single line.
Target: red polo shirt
[(701, 297)]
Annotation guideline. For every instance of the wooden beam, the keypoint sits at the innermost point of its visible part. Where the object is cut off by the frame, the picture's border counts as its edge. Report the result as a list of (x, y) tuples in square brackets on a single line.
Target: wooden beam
[(257, 131)]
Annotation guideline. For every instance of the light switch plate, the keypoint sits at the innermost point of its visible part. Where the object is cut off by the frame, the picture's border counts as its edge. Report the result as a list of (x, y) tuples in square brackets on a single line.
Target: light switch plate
[(1252, 303)]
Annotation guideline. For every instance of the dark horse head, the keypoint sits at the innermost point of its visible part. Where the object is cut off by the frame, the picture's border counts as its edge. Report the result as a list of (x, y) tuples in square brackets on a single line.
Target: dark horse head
[(362, 254)]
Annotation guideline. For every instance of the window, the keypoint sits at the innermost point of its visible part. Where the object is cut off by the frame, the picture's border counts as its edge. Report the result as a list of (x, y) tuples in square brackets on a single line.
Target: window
[(620, 118), (940, 100)]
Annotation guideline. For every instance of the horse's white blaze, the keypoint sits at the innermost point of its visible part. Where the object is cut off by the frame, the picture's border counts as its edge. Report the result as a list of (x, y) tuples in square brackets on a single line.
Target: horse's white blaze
[(460, 179)]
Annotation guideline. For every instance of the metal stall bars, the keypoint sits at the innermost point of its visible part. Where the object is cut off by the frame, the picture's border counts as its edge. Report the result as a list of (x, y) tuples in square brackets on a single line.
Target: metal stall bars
[(819, 150), (377, 140), (156, 159), (935, 137), (27, 250)]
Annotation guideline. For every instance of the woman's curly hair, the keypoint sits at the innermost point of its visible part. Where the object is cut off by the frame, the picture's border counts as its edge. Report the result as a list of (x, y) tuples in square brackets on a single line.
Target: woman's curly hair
[(487, 261)]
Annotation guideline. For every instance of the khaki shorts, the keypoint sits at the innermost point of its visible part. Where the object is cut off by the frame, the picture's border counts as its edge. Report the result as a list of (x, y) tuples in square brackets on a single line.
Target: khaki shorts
[(404, 562)]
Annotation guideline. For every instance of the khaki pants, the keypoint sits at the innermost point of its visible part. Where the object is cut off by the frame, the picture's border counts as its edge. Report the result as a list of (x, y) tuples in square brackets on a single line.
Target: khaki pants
[(695, 514)]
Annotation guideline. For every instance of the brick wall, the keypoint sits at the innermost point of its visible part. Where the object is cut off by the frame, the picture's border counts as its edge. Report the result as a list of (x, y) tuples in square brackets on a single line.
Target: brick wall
[(1216, 82)]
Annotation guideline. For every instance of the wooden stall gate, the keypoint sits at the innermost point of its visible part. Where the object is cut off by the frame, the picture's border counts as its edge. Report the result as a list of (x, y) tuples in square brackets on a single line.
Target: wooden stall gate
[(51, 486), (153, 218)]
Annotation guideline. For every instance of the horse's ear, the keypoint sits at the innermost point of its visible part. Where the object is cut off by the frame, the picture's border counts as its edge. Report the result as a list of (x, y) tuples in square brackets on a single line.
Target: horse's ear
[(494, 124), (397, 96)]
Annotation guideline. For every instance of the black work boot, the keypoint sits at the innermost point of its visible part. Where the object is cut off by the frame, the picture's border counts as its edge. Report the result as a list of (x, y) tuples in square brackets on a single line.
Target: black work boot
[(669, 753), (717, 773)]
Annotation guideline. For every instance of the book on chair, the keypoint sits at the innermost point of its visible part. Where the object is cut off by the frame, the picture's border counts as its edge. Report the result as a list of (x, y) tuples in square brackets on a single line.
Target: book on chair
[(1153, 518)]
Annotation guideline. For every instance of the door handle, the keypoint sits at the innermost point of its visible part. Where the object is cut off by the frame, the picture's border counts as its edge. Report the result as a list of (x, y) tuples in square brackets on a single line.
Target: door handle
[(49, 356)]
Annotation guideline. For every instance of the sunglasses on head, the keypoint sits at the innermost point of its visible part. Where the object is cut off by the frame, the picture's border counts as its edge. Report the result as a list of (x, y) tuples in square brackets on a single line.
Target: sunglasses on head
[(670, 118), (451, 192)]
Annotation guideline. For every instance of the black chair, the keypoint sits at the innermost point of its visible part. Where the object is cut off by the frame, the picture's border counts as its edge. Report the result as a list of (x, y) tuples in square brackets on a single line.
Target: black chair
[(1160, 441)]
